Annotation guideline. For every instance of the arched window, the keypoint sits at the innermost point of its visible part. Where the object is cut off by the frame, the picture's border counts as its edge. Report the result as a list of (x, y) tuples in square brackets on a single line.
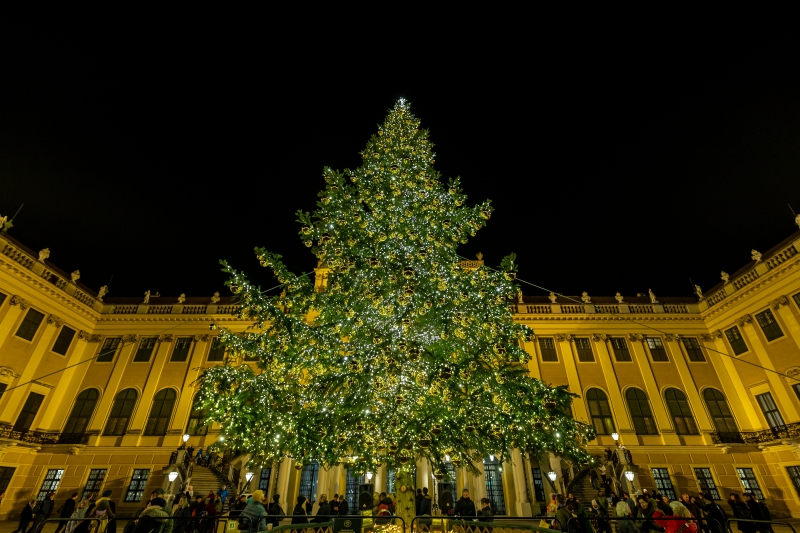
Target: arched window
[(121, 412), (161, 412), (82, 411), (197, 419), (642, 415), (720, 413), (600, 410), (680, 412)]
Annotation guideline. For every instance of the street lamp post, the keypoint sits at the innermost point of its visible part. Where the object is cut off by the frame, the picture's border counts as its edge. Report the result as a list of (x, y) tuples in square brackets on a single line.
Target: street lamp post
[(552, 476), (629, 475)]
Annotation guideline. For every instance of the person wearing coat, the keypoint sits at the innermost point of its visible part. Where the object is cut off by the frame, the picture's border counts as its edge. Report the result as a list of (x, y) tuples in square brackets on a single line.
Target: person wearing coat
[(426, 503), (323, 510), (563, 515), (465, 506), (253, 515), (625, 524), (344, 507), (646, 516), (740, 510), (66, 510), (583, 518), (42, 512), (25, 517), (299, 512), (275, 509), (756, 512)]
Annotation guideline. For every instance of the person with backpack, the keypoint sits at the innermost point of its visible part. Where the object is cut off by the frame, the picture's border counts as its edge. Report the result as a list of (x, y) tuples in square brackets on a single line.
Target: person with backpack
[(239, 506), (465, 507), (275, 509), (385, 508), (252, 517)]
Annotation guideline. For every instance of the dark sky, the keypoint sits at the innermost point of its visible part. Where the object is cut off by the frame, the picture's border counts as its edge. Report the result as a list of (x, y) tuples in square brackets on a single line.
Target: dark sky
[(612, 166)]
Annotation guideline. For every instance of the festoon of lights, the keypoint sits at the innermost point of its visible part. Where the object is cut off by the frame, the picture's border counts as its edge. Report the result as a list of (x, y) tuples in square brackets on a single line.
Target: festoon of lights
[(406, 352)]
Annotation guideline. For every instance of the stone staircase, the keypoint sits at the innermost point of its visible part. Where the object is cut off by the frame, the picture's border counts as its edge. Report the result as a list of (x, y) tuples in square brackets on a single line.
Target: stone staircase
[(205, 481), (581, 487)]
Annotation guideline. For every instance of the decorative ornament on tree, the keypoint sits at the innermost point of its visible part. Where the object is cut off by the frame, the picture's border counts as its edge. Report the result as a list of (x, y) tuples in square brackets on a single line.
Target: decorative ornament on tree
[(397, 329)]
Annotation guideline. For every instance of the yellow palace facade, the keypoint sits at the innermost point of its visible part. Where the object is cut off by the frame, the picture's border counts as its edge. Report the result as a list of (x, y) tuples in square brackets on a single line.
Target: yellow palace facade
[(97, 391)]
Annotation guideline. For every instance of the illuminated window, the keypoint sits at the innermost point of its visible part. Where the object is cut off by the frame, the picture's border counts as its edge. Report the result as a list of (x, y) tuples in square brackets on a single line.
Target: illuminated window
[(50, 484), (657, 351), (706, 483), (749, 482), (137, 485), (664, 483)]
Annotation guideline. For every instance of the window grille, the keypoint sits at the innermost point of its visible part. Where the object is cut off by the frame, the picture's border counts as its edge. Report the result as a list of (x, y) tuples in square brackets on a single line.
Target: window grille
[(263, 481), (657, 351), (145, 350), (82, 411), (680, 412), (621, 351), (137, 485), (196, 424), (584, 349), (770, 410), (27, 330), (706, 482), (720, 412), (538, 484), (95, 481), (693, 349), (160, 413), (108, 350), (50, 484), (29, 411), (121, 413), (642, 415), (217, 352), (308, 481), (600, 410), (735, 339), (494, 485), (181, 350), (664, 483), (351, 491), (794, 471), (6, 472), (749, 482), (548, 348), (769, 325)]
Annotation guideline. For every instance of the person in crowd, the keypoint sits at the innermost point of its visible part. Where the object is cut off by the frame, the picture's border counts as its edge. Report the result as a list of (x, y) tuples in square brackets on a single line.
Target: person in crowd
[(630, 502), (239, 506), (486, 513), (645, 516), (465, 506), (42, 512), (662, 504), (80, 512), (25, 517), (102, 511), (594, 478), (253, 516), (740, 510), (603, 473), (688, 502), (299, 513), (218, 504), (601, 500), (223, 493), (603, 524), (275, 509), (765, 513), (583, 518), (625, 523), (552, 507), (198, 460), (323, 510), (426, 503), (563, 515), (755, 511), (614, 499), (154, 517), (681, 526), (111, 527), (335, 505), (208, 522), (713, 512), (344, 507), (66, 510), (182, 514), (418, 502), (190, 492)]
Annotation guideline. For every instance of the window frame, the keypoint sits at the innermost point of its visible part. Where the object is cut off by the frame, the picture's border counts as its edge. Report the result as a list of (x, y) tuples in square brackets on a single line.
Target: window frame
[(261, 479), (94, 484), (145, 349), (649, 416), (770, 413), (59, 340), (749, 481), (137, 485), (621, 351), (309, 477), (585, 353), (27, 324), (728, 419), (6, 472), (772, 326), (493, 479), (116, 432), (604, 419), (187, 353), (737, 342), (793, 471), (538, 484), (50, 483), (706, 482), (216, 347), (81, 415), (196, 414), (681, 429), (659, 350), (3, 297), (30, 400), (163, 399), (551, 357), (694, 353), (102, 356), (659, 480)]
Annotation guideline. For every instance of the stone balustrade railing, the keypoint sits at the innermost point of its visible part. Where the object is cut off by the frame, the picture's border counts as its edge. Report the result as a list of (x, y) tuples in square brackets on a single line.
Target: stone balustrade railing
[(608, 309)]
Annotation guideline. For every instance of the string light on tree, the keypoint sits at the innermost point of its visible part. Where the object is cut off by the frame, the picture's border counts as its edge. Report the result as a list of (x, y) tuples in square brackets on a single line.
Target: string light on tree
[(404, 352)]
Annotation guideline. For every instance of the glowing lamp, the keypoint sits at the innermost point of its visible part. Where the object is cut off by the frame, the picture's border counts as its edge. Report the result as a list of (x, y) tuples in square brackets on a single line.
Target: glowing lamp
[(615, 436), (248, 476), (629, 475), (369, 476), (552, 475), (185, 438), (173, 476)]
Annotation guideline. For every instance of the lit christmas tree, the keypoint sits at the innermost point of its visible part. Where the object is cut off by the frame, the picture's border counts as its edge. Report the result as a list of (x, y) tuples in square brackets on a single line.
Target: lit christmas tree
[(406, 351)]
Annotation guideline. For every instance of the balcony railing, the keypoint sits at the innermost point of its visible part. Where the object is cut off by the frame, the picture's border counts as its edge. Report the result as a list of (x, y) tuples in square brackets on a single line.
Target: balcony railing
[(40, 437), (789, 431)]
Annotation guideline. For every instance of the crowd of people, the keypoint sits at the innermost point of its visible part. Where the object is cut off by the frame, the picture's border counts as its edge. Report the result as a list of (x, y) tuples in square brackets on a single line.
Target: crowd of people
[(651, 512)]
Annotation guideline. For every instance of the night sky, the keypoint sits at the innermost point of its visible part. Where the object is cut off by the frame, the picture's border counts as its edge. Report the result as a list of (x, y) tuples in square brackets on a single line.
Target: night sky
[(612, 167)]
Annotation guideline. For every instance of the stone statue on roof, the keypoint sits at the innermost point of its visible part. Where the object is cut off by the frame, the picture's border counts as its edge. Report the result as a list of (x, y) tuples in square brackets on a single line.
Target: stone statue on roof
[(146, 297), (182, 298), (725, 276), (755, 255), (75, 276), (618, 297), (652, 296), (44, 253), (215, 298), (102, 292), (519, 296), (552, 297), (796, 221), (585, 298), (698, 292)]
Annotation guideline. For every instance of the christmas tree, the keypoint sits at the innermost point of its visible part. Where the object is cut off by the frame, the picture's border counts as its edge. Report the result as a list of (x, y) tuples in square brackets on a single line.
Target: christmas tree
[(406, 351)]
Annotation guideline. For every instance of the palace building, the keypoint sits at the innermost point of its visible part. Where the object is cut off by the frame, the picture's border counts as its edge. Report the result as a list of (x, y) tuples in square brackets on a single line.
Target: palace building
[(703, 392)]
